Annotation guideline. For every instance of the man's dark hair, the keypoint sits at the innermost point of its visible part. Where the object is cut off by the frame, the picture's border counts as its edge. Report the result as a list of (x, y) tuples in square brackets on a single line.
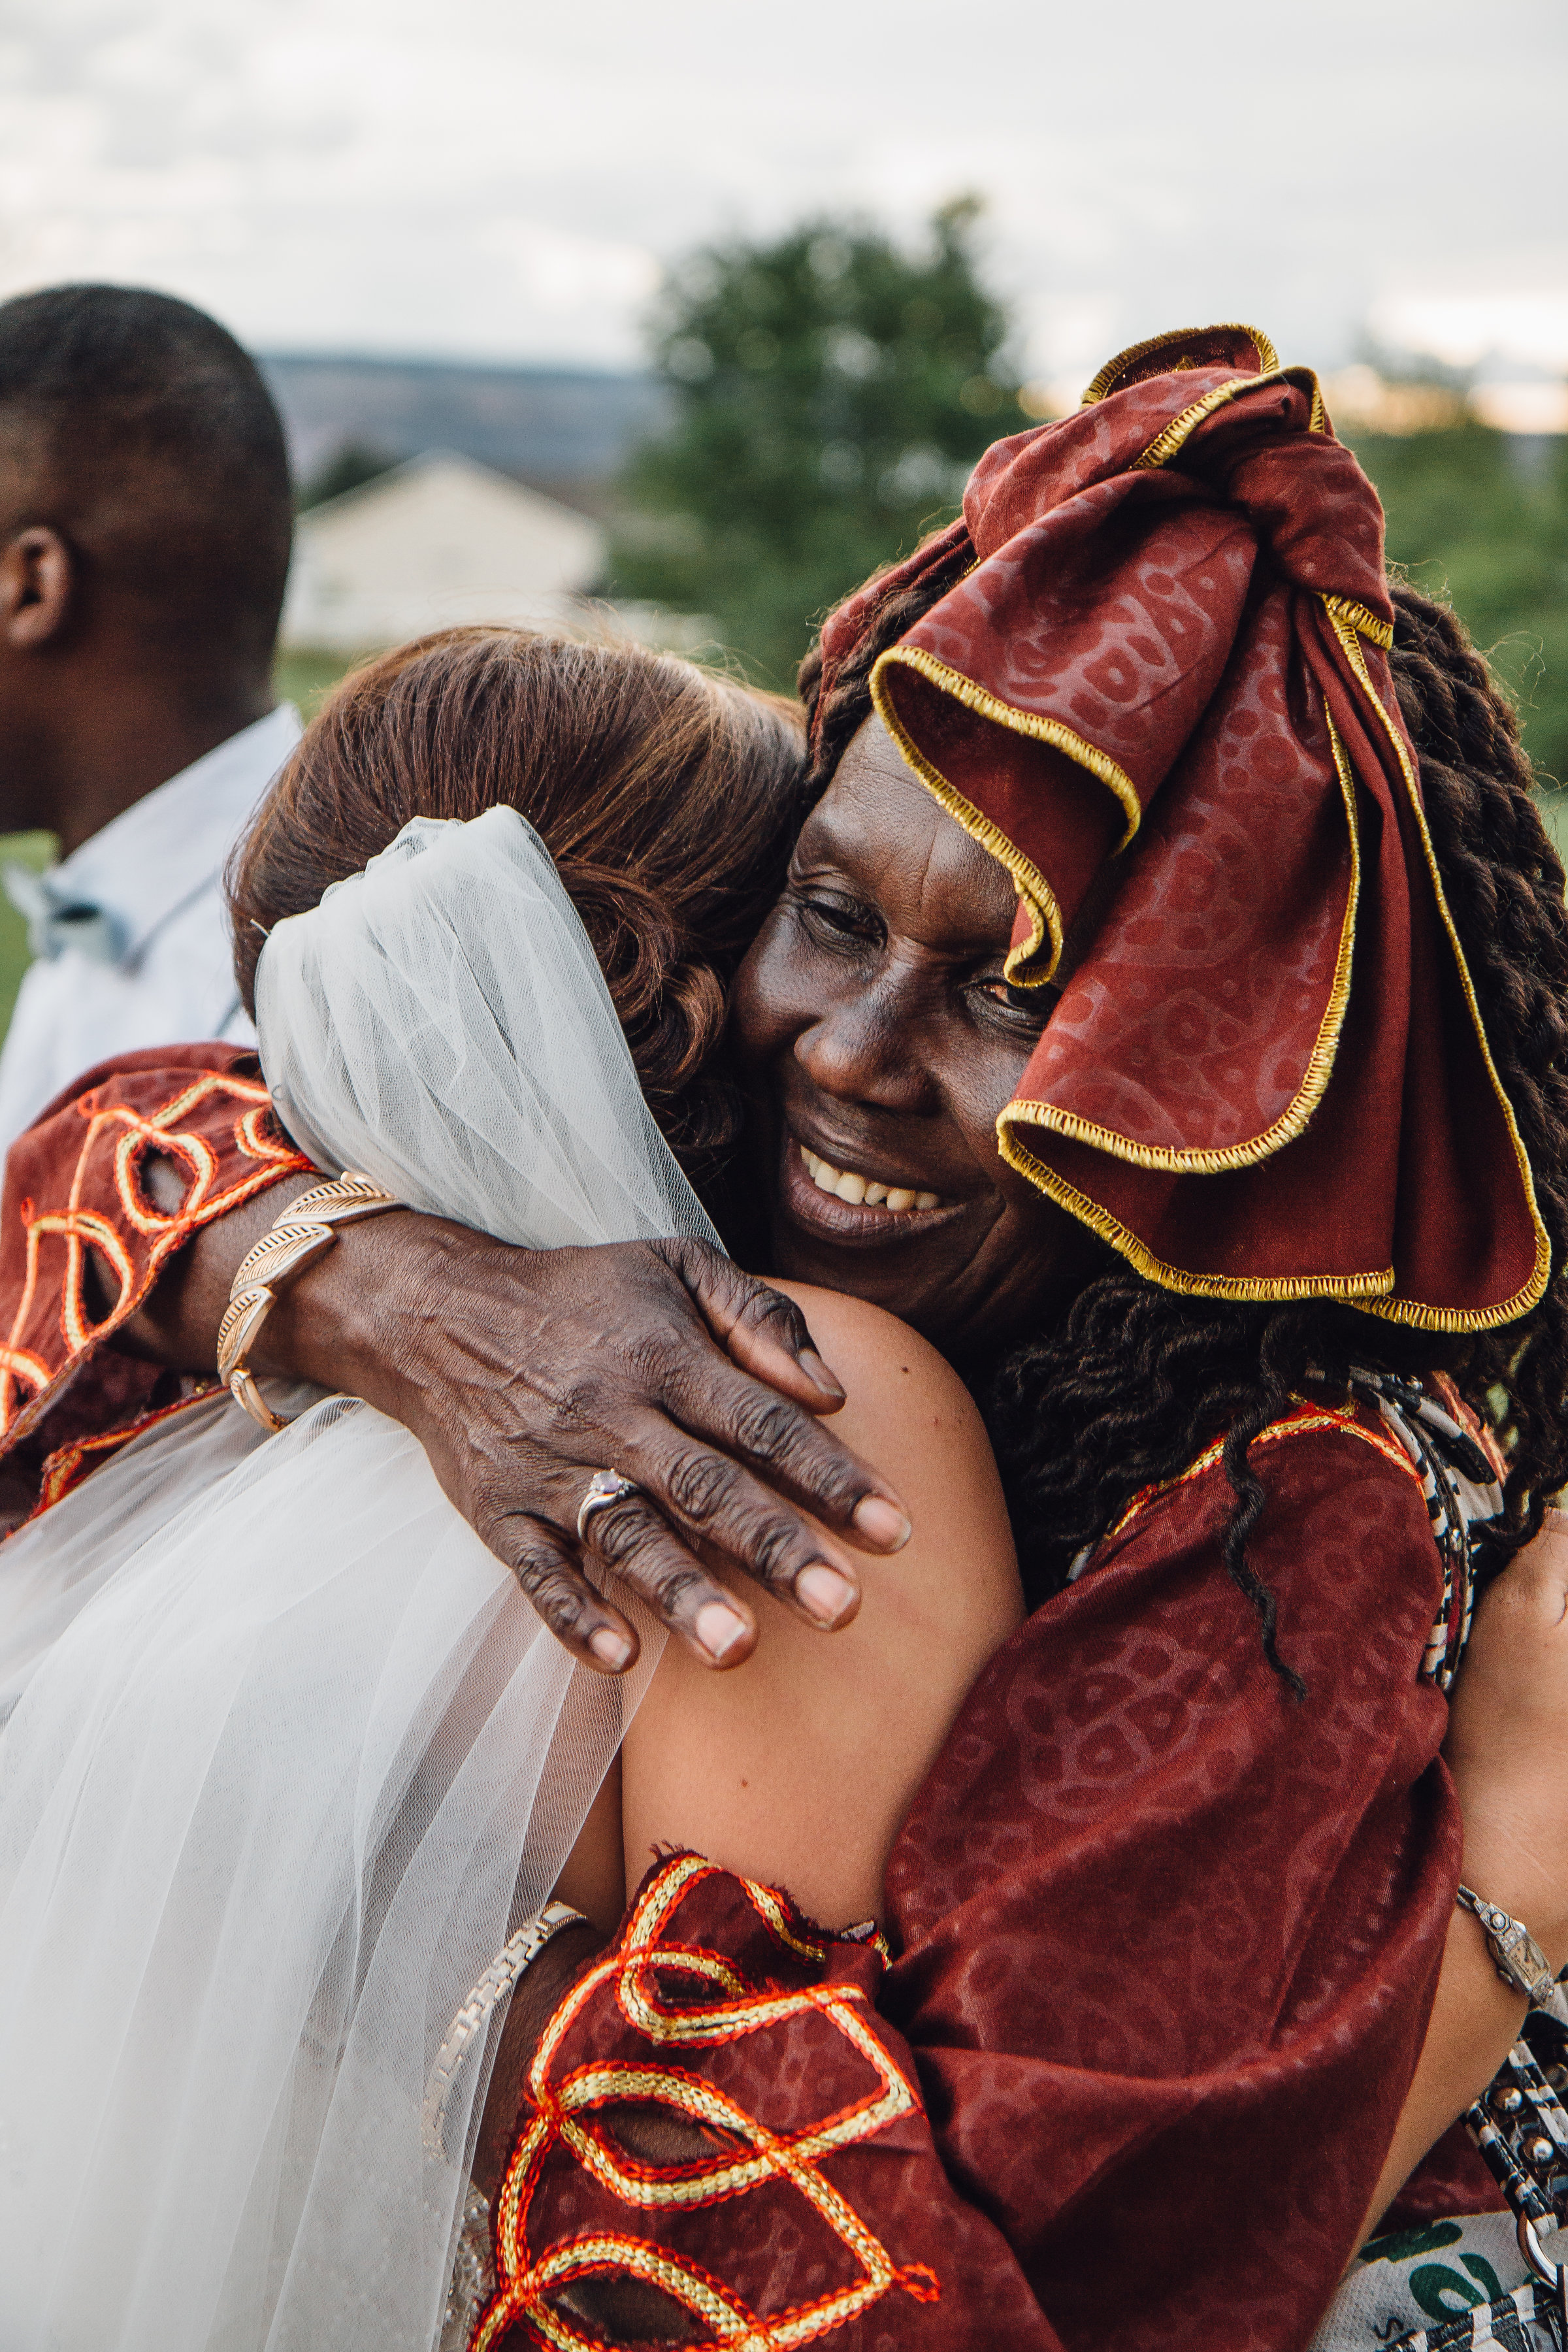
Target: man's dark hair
[(141, 431)]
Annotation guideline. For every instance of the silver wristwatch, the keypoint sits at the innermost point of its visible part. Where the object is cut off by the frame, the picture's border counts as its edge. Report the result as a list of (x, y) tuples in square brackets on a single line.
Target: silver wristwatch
[(1520, 1960)]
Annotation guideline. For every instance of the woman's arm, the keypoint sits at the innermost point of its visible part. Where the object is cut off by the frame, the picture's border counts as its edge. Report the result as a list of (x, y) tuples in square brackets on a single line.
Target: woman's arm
[(522, 1372), (1508, 1750), (800, 1772)]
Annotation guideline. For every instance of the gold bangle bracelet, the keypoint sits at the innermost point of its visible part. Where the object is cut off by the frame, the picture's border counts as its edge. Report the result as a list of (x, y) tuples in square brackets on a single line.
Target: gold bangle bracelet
[(298, 1236)]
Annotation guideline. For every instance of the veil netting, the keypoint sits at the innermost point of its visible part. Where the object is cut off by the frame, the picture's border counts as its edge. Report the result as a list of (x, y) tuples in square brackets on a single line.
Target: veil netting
[(285, 1755)]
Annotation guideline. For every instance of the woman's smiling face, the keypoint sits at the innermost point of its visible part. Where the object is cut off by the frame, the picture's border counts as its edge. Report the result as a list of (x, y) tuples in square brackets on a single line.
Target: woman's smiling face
[(875, 1028)]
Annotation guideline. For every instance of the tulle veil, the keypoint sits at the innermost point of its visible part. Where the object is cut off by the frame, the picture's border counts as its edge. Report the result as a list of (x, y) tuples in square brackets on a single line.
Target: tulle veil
[(285, 1755)]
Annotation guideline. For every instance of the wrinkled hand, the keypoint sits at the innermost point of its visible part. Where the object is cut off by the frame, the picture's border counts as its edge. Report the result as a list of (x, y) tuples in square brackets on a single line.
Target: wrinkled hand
[(522, 1372), (1508, 1739)]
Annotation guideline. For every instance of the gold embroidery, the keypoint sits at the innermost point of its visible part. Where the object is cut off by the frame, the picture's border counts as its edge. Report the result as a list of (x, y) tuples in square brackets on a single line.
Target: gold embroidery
[(1310, 1420), (1292, 1121), (1356, 1288), (82, 1228), (563, 2116), (1033, 890), (1166, 445), (1365, 623), (1267, 357), (1404, 1310), (1035, 893)]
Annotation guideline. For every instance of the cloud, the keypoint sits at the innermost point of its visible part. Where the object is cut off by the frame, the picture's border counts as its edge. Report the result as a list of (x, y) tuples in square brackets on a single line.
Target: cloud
[(501, 178)]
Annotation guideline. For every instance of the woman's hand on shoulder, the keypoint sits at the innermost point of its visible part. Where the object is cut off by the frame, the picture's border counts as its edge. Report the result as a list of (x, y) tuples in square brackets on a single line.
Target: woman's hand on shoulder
[(1507, 1744), (524, 1372)]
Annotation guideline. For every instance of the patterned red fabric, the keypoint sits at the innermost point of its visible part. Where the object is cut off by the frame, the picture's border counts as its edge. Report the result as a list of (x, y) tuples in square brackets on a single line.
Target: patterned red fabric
[(813, 2214), (1166, 1943), (1171, 640), (75, 1186)]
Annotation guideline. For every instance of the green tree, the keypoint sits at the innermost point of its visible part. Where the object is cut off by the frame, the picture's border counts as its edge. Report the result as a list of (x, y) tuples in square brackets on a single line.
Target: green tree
[(1482, 520), (830, 396)]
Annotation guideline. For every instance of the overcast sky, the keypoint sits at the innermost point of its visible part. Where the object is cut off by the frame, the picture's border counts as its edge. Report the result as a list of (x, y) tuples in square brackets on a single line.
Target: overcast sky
[(498, 179)]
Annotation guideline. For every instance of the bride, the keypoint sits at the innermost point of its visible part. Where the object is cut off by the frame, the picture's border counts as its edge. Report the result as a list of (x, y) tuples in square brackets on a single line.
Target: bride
[(287, 1758)]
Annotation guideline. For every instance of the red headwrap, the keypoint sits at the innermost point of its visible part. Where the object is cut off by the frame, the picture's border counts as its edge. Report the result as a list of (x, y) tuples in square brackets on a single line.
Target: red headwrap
[(1268, 1077)]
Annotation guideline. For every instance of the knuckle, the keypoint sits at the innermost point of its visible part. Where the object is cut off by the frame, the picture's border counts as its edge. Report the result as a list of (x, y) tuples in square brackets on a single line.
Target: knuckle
[(656, 1358), (700, 1486), (766, 1426), (572, 1404), (771, 1307), (553, 1587), (627, 1529)]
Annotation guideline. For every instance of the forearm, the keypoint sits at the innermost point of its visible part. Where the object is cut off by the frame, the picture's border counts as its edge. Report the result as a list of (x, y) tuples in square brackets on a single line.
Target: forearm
[(1474, 2023), (1476, 2017), (177, 1323), (331, 1324)]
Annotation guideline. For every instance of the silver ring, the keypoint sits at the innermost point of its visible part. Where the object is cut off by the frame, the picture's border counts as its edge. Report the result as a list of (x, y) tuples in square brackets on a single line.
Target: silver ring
[(605, 1487)]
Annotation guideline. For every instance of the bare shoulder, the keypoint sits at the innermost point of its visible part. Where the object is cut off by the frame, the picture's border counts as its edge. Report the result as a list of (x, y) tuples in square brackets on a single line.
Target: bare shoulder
[(799, 1767), (908, 1412), (899, 1388)]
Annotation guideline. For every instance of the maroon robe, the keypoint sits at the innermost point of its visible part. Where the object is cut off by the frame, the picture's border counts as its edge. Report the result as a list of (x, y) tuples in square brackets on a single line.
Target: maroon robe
[(1165, 1940), (1166, 1944)]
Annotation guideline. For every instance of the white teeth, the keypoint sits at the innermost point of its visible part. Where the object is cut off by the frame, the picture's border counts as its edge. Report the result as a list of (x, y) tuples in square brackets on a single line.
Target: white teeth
[(847, 1184)]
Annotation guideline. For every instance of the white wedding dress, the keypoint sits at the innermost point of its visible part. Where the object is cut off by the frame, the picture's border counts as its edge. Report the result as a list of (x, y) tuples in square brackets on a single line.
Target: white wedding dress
[(285, 1755)]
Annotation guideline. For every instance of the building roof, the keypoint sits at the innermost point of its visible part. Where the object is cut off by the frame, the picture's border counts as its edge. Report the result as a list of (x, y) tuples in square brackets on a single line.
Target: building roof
[(435, 542)]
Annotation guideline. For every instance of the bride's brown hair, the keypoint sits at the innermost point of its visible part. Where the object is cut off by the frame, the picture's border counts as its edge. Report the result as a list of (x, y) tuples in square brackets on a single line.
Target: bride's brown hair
[(666, 796)]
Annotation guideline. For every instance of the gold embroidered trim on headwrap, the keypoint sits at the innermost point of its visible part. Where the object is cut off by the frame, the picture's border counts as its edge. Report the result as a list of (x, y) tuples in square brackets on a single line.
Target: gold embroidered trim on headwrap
[(1402, 1310), (1356, 1288), (1166, 445), (1267, 357), (1035, 893), (1293, 1119)]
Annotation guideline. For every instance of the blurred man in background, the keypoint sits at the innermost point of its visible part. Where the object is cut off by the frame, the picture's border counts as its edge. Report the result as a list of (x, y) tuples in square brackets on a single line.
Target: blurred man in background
[(145, 518)]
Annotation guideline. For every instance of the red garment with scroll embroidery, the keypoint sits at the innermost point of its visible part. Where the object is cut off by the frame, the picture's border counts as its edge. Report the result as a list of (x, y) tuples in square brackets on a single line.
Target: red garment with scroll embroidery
[(1165, 1946), (75, 1185)]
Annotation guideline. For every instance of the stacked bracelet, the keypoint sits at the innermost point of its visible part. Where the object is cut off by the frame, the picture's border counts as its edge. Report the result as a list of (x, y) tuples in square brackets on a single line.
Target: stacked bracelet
[(298, 1236)]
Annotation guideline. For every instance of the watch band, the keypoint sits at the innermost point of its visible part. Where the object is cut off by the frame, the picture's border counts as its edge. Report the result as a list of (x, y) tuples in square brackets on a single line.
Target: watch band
[(497, 1982), (1518, 1957)]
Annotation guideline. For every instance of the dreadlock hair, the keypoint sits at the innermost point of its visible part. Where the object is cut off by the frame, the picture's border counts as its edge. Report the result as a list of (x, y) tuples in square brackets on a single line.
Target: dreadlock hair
[(1136, 1380)]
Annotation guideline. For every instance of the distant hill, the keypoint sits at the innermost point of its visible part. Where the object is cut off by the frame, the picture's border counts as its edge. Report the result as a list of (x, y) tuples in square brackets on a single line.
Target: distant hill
[(562, 429)]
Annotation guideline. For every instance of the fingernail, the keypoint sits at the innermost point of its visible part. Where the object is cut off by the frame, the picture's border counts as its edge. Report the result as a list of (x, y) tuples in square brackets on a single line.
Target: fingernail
[(824, 1591), (882, 1523), (611, 1649), (718, 1629), (818, 1373)]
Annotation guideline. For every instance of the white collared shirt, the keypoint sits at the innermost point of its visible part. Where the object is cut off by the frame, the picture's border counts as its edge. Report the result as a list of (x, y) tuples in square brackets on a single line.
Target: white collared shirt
[(157, 868)]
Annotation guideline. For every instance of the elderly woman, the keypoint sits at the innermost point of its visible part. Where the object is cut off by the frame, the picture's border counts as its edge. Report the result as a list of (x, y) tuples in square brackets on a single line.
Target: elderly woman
[(1122, 861)]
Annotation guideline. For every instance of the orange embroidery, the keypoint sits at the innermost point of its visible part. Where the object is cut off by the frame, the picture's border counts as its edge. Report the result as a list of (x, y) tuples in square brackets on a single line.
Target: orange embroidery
[(63, 1467), (25, 1379), (756, 2156)]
